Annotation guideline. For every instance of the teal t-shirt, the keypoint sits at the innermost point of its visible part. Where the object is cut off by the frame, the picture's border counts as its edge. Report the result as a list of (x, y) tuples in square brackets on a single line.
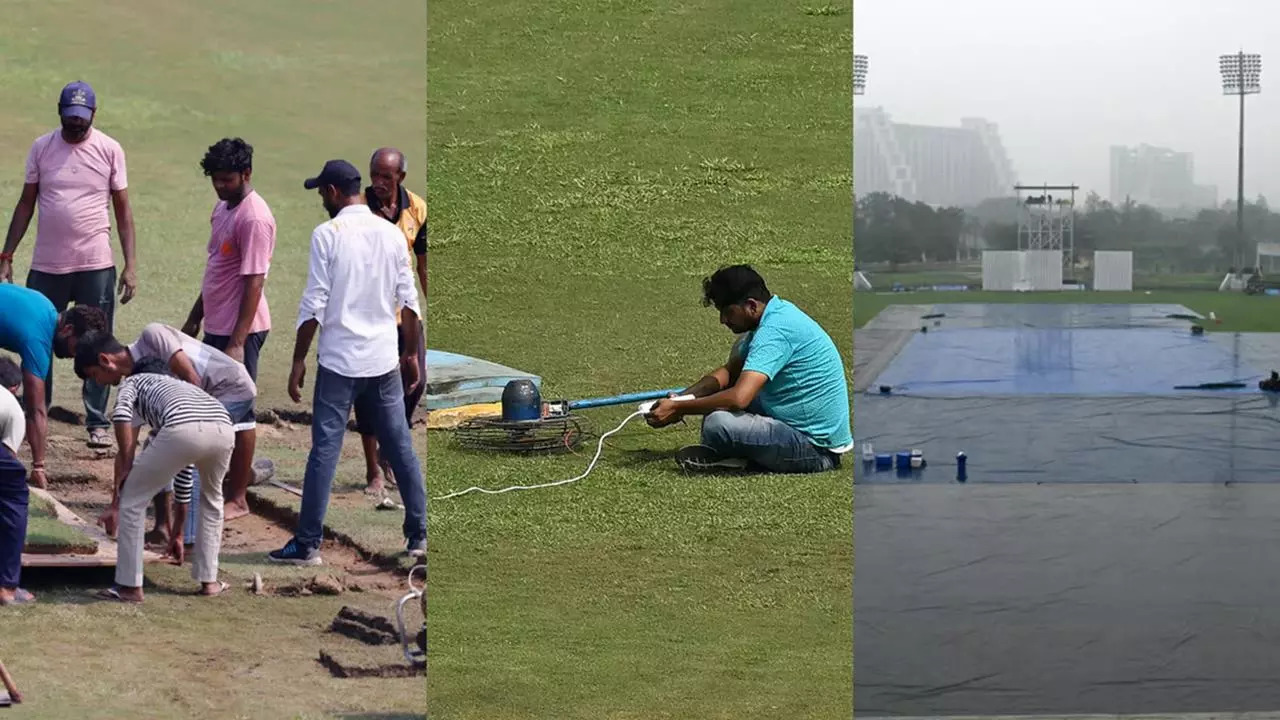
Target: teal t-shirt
[(27, 324), (807, 387)]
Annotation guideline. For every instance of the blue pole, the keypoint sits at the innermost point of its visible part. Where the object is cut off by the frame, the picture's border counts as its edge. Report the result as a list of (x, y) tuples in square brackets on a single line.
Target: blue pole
[(622, 399)]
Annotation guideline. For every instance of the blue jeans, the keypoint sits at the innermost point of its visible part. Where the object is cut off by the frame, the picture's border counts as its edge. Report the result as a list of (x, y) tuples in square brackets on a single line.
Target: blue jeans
[(765, 442), (333, 398), (14, 495)]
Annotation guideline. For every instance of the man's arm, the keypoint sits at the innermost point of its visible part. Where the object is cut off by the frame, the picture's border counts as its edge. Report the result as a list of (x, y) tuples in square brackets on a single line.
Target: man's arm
[(315, 297), (301, 346), (420, 264), (420, 257), (249, 301), (195, 317), (182, 366), (126, 441), (37, 421), (124, 224), (409, 361), (18, 224), (257, 243)]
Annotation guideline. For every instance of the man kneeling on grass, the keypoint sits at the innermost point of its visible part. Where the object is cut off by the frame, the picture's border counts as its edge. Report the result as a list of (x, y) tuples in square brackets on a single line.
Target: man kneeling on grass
[(781, 402), (188, 427), (14, 493)]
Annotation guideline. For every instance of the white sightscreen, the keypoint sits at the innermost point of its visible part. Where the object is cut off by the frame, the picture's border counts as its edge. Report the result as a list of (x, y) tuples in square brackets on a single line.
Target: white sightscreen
[(1041, 270), (1268, 253), (999, 269), (1113, 270), (1028, 270)]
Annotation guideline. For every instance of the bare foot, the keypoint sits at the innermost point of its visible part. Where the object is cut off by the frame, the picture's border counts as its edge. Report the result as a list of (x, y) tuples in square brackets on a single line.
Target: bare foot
[(233, 509), (375, 488)]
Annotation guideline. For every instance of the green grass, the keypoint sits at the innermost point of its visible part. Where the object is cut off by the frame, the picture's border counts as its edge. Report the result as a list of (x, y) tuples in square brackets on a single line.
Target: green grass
[(591, 162), (303, 82), (46, 531), (1238, 312)]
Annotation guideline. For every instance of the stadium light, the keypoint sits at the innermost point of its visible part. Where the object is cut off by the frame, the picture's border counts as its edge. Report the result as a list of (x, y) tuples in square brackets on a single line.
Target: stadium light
[(1241, 75), (859, 74)]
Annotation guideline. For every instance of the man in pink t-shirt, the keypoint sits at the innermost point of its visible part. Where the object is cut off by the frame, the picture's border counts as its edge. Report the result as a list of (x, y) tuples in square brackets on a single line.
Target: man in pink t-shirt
[(73, 175), (232, 303)]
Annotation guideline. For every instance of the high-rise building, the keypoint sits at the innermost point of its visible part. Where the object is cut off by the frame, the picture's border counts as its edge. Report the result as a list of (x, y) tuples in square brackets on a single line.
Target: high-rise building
[(1159, 177), (940, 166)]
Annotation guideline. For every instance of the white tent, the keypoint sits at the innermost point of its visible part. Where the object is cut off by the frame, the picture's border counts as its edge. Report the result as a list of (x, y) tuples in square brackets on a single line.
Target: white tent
[(860, 281)]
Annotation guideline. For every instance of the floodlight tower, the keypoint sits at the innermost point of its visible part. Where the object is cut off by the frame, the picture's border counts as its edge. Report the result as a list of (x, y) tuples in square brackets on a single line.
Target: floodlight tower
[(859, 74), (1046, 222), (1241, 75)]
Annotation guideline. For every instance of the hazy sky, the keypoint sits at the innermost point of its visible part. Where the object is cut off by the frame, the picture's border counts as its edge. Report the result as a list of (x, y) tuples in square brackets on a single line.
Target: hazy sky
[(1066, 80)]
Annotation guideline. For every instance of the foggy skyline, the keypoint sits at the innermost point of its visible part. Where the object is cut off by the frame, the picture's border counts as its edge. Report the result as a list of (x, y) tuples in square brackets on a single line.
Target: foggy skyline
[(1066, 82)]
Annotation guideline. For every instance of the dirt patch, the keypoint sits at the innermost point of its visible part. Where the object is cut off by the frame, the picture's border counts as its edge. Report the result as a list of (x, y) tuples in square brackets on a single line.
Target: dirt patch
[(57, 413), (365, 627), (338, 669), (82, 480)]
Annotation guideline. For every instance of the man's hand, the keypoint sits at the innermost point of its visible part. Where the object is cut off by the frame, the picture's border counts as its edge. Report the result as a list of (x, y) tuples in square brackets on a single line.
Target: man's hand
[(296, 376), (176, 549), (235, 352), (6, 271), (110, 519), (665, 412), (128, 284), (38, 478), (409, 372)]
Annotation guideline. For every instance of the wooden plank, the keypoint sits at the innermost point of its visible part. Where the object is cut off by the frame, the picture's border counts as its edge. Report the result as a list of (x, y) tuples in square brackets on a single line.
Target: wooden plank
[(106, 555)]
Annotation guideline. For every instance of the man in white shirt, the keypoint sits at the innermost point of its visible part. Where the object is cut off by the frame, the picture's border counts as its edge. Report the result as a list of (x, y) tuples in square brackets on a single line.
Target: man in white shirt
[(14, 493), (359, 279)]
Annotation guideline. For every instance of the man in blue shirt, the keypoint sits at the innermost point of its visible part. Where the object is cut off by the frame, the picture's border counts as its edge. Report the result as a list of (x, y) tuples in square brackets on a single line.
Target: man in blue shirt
[(32, 329), (781, 401)]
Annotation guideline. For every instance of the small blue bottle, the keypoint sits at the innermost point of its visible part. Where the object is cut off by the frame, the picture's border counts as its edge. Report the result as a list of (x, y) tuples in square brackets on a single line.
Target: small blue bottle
[(961, 473)]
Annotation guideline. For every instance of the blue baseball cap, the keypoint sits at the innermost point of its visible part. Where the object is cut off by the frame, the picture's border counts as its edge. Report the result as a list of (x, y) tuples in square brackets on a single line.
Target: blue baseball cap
[(77, 100), (335, 172)]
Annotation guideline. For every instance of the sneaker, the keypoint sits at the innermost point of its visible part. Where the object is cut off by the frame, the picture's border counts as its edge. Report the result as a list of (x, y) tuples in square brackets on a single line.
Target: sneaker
[(99, 438), (294, 554), (700, 458), (417, 549)]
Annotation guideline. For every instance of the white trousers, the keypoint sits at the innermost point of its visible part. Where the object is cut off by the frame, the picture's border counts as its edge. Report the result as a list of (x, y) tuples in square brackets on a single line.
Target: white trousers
[(208, 446)]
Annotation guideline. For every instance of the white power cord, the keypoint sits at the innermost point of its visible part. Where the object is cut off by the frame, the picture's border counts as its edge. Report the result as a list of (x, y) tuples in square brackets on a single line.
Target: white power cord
[(599, 449)]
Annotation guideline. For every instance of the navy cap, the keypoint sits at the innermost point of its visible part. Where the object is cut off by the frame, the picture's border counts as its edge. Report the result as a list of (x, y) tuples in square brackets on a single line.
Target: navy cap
[(77, 100), (335, 172)]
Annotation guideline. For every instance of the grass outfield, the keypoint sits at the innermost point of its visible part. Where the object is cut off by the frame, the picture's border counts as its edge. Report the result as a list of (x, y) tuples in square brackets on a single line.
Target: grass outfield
[(303, 82), (1237, 311), (589, 165)]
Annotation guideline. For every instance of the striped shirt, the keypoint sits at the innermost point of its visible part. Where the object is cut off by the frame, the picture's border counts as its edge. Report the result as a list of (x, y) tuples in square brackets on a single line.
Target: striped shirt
[(164, 401)]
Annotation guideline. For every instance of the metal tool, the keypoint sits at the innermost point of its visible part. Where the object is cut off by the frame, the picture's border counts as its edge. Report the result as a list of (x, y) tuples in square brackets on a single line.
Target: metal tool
[(416, 657)]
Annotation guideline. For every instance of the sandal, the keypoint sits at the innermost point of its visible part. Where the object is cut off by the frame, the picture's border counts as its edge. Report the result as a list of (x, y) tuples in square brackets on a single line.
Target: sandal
[(20, 597), (113, 593), (223, 586), (99, 439)]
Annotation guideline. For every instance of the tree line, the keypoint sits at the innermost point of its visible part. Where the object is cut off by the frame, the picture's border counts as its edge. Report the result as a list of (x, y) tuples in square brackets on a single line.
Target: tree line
[(891, 229)]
